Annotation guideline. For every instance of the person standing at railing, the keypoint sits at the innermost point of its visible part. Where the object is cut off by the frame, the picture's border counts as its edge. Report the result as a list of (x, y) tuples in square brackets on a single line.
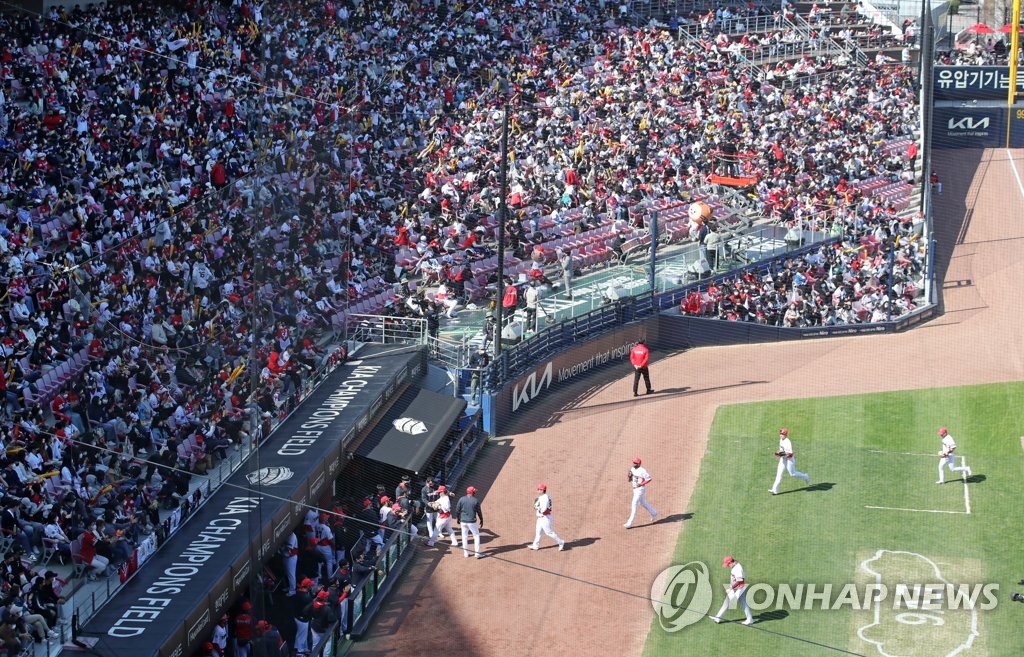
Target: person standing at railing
[(490, 325), (565, 263), (532, 298), (478, 363), (509, 301)]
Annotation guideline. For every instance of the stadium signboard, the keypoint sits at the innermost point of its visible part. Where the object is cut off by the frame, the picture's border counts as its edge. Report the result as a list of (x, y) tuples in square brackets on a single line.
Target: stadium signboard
[(962, 125), (566, 366), (974, 82)]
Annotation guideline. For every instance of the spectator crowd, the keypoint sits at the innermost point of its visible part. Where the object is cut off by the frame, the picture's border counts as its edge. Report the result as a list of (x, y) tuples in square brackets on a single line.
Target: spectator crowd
[(192, 193)]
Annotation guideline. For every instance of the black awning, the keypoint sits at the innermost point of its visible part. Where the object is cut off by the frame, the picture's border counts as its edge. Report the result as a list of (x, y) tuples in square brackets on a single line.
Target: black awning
[(412, 429)]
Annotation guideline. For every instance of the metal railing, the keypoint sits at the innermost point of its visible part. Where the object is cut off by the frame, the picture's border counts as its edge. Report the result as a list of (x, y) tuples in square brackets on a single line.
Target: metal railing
[(465, 441), (697, 42), (363, 593), (385, 329), (450, 352), (833, 47), (735, 25)]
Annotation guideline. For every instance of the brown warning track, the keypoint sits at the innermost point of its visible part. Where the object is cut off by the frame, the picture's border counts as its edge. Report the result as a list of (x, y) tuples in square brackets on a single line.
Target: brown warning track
[(590, 599)]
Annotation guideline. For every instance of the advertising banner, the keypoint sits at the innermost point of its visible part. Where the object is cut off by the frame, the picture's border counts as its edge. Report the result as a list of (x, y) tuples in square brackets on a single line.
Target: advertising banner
[(566, 367), (963, 125), (974, 82)]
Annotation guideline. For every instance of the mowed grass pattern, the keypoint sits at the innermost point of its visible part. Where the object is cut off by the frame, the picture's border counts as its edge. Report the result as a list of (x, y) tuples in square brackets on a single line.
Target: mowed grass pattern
[(863, 450)]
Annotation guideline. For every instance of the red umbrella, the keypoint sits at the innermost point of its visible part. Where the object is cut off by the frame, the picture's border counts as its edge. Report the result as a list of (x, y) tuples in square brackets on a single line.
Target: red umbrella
[(1008, 29), (980, 28)]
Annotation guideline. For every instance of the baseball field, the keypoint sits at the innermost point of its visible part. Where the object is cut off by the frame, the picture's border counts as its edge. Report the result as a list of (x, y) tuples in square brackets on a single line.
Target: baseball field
[(872, 515), (863, 413)]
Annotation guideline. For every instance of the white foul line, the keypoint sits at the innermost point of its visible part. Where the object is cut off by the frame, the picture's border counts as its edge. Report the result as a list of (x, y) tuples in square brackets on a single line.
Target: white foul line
[(1013, 165), (967, 495), (894, 508)]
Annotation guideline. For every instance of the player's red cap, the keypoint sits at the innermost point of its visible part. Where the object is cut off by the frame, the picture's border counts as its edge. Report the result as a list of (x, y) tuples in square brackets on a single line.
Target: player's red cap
[(306, 583), (385, 500), (396, 507), (322, 595), (543, 487), (442, 489), (324, 516), (728, 561), (942, 431), (471, 490), (783, 431), (636, 461), (246, 606)]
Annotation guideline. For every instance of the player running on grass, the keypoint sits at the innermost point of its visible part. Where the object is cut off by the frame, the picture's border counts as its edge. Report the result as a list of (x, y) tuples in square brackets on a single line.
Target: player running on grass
[(787, 462), (947, 456)]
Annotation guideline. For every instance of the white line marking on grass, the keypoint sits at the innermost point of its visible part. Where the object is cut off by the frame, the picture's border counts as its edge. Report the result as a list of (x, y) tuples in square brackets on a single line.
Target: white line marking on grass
[(1013, 165), (966, 645), (967, 495), (885, 451), (896, 508)]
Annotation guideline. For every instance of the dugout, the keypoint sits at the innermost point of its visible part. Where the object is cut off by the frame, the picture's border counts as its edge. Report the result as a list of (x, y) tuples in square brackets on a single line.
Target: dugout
[(423, 434), (169, 607)]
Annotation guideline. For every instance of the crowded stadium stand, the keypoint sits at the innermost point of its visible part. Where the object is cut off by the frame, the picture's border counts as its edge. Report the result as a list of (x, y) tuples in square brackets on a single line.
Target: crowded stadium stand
[(203, 204)]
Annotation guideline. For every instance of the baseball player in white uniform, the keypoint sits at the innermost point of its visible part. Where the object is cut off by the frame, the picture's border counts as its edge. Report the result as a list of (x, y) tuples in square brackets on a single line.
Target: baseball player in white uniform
[(639, 477), (947, 457), (737, 591), (787, 462), (443, 506), (290, 553), (325, 543), (542, 505)]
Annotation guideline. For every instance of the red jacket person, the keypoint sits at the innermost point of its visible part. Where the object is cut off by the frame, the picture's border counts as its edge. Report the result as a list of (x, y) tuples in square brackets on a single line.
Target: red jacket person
[(639, 356)]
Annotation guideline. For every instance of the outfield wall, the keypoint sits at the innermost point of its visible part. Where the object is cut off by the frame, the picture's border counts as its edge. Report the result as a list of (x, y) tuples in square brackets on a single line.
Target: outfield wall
[(970, 108), (677, 331), (606, 357)]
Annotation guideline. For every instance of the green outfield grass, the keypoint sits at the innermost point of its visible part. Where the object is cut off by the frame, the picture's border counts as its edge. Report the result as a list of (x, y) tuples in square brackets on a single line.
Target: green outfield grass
[(861, 451)]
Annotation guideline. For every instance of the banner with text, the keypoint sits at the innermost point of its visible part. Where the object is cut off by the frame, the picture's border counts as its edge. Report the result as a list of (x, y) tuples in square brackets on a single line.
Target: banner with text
[(956, 125), (975, 82), (566, 367)]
